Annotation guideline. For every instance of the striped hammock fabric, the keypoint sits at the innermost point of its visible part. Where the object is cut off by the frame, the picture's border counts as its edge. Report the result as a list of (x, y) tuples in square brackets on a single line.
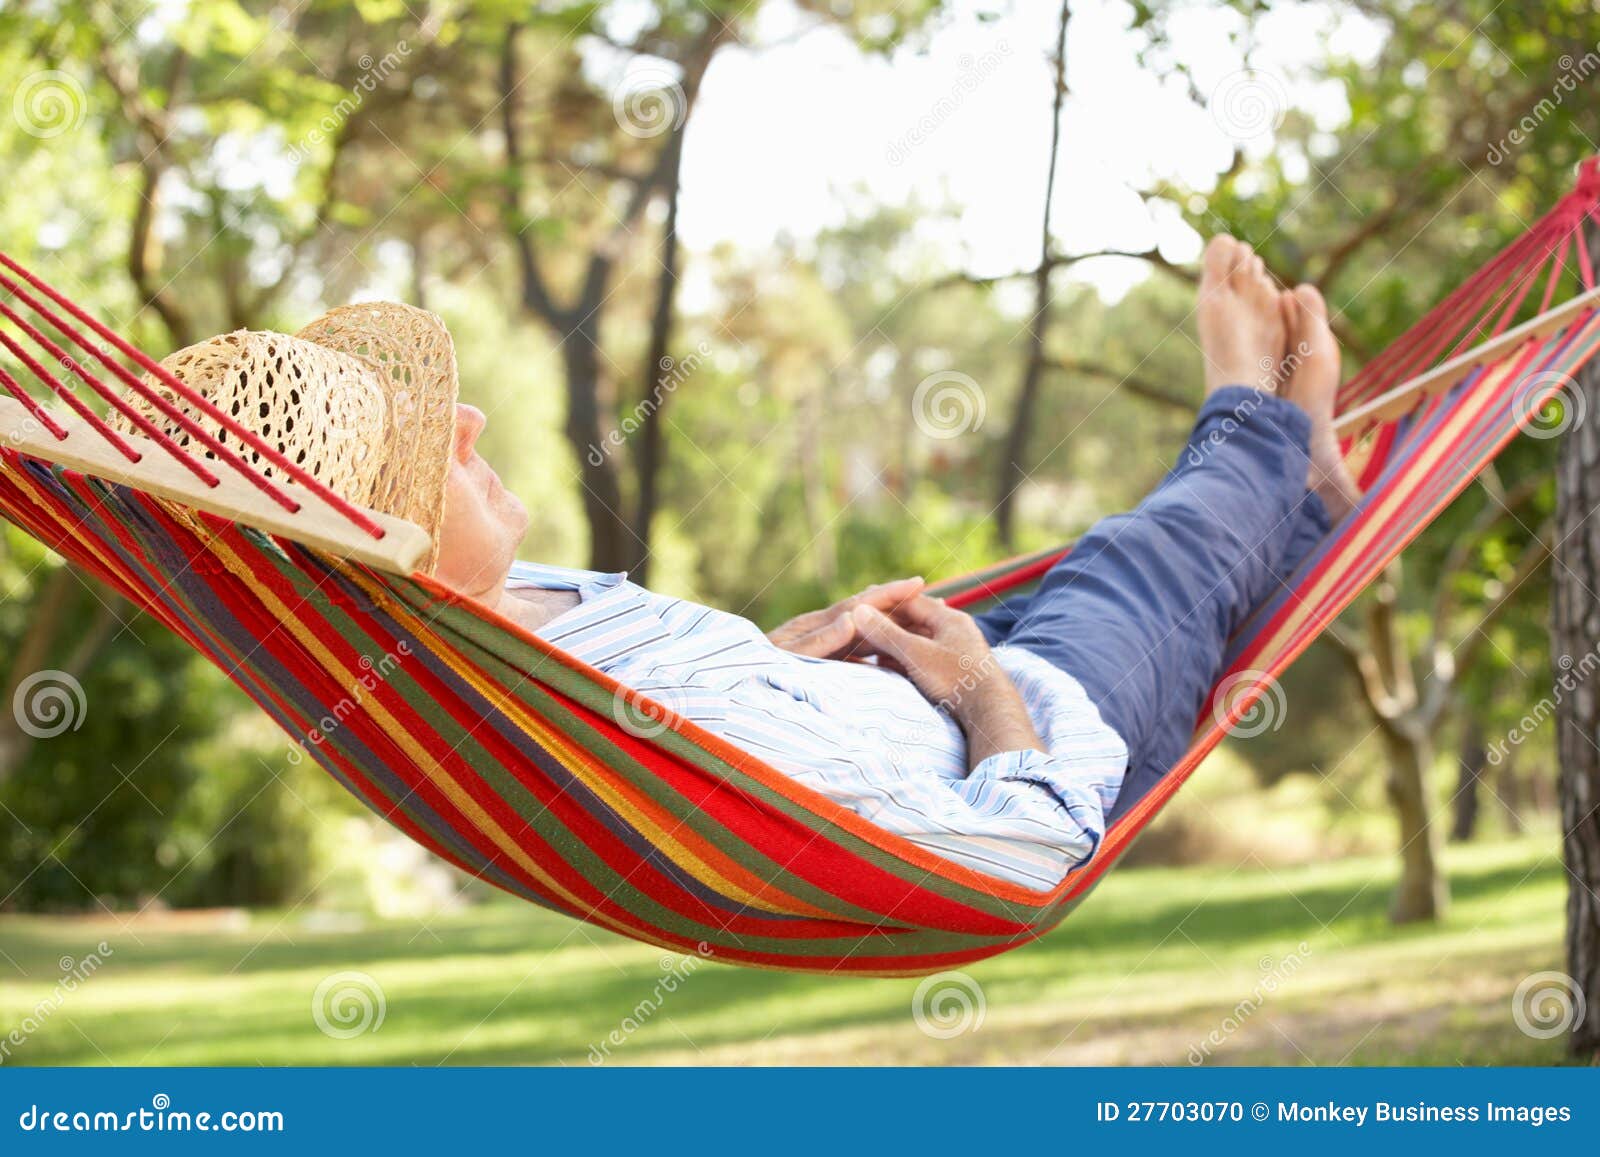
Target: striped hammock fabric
[(524, 767)]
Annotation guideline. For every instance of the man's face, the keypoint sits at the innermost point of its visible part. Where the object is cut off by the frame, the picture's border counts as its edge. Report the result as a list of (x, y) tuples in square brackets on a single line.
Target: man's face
[(483, 521)]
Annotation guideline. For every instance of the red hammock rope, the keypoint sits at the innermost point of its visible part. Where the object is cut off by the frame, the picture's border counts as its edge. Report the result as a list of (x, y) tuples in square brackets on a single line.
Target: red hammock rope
[(144, 390)]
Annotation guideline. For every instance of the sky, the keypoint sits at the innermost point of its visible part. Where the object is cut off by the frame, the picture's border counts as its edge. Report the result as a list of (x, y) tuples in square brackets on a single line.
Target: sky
[(799, 125), (784, 136)]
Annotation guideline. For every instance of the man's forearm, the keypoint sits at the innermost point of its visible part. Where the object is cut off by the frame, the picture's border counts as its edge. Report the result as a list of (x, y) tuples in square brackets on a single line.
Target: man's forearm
[(994, 720)]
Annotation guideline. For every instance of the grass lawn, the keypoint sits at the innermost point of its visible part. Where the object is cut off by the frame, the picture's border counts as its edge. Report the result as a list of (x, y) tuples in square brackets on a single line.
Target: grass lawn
[(1274, 966)]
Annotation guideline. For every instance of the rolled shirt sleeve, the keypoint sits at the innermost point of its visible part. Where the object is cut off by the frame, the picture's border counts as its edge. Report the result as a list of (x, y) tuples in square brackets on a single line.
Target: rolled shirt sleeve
[(1048, 789)]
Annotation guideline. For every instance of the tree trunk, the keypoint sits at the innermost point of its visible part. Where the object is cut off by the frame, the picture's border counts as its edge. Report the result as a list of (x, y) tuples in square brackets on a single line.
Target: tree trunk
[(1509, 789), (1575, 633), (1012, 471), (46, 621), (50, 620), (611, 542), (1422, 893), (1473, 758), (659, 381)]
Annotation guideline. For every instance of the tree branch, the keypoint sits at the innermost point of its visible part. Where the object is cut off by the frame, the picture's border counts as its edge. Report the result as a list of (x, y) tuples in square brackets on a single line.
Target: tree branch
[(535, 290), (1498, 510), (1463, 658), (1133, 384)]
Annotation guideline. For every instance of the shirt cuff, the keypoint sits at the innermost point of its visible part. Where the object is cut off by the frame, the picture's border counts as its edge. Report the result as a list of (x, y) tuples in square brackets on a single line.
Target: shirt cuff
[(1082, 808)]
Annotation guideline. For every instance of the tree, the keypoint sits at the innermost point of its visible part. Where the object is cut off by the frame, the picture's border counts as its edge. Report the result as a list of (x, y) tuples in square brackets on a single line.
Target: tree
[(1575, 634), (1409, 695), (1011, 468), (608, 159), (619, 535)]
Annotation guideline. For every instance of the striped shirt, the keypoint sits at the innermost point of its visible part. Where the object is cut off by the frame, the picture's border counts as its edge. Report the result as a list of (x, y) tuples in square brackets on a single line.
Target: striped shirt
[(859, 734)]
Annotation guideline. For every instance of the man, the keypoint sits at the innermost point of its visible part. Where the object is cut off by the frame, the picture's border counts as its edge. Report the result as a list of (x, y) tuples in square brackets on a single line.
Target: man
[(1004, 742)]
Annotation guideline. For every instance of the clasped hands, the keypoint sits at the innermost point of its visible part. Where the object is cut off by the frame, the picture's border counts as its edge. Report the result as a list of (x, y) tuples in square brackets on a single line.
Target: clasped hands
[(940, 649)]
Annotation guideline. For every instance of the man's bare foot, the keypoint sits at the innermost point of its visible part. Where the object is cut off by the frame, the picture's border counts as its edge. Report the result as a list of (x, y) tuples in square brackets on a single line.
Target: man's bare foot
[(1241, 323), (1311, 368)]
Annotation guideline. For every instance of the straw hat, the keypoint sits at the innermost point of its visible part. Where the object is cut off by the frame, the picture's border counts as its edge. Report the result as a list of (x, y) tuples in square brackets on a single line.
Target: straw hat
[(362, 399)]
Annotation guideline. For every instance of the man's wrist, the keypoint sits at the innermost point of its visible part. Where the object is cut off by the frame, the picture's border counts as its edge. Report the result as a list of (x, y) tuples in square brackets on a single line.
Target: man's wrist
[(977, 690), (994, 718)]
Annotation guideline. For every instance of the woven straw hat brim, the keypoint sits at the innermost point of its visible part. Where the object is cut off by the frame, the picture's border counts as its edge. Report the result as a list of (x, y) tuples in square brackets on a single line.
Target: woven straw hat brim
[(410, 352), (363, 399)]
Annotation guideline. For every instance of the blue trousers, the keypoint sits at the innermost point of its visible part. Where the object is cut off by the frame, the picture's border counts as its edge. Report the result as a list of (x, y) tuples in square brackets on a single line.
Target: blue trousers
[(1141, 611)]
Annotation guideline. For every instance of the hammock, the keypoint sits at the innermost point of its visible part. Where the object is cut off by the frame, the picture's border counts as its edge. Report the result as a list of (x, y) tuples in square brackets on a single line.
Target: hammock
[(523, 766)]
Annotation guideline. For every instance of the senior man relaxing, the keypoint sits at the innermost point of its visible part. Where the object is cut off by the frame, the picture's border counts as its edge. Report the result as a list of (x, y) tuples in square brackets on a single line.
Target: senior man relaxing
[(1004, 742)]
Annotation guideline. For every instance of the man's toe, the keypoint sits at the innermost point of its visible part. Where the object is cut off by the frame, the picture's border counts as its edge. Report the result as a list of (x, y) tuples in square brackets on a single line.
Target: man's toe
[(1221, 253)]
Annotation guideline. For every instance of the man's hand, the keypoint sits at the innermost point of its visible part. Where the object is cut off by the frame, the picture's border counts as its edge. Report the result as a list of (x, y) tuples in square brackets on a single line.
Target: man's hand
[(831, 633), (943, 652), (938, 648)]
